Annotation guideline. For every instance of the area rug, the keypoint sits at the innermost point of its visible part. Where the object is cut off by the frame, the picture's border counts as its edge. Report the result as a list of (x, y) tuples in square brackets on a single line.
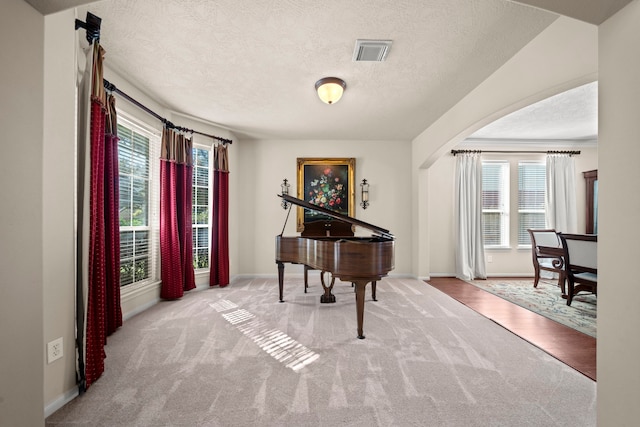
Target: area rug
[(547, 301)]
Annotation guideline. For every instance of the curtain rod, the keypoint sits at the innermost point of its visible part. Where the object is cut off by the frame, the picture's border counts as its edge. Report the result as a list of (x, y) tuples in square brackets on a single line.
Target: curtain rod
[(111, 87), (92, 28), (571, 153)]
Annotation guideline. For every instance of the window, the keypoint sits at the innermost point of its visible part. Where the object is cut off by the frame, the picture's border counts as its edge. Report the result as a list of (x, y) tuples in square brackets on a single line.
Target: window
[(495, 203), (531, 198), (138, 196), (200, 214)]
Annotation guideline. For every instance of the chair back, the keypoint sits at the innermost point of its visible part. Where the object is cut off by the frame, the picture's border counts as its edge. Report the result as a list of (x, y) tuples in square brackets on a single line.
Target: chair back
[(581, 263), (581, 251), (546, 252), (548, 238)]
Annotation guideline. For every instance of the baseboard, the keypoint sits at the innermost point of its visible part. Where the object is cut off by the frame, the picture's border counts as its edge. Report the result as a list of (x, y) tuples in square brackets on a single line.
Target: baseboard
[(489, 275), (299, 275), (139, 309), (202, 286), (62, 400), (405, 276), (523, 275), (136, 298)]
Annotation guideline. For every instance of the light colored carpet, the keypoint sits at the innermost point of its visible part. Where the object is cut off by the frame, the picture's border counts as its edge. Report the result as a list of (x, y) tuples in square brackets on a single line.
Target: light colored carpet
[(547, 301), (237, 357)]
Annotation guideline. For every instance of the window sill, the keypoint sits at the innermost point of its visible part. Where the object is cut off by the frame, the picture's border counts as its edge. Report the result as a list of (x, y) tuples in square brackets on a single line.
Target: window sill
[(134, 290)]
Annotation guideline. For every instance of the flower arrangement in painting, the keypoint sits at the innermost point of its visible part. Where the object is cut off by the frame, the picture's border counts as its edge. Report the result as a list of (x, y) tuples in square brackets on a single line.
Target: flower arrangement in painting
[(327, 190)]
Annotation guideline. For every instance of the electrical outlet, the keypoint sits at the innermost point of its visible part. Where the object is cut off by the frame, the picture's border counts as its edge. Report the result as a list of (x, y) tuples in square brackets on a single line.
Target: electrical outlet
[(489, 258), (54, 350)]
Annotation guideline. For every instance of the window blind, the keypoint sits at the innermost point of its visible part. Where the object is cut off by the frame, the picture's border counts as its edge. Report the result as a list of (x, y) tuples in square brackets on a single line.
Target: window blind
[(200, 214), (139, 191), (495, 203), (531, 199)]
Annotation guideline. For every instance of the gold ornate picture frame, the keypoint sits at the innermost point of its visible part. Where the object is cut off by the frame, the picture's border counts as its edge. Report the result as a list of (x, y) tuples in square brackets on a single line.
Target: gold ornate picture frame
[(326, 182)]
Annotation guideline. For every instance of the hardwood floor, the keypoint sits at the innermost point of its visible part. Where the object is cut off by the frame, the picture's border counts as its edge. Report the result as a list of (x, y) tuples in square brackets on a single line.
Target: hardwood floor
[(571, 347)]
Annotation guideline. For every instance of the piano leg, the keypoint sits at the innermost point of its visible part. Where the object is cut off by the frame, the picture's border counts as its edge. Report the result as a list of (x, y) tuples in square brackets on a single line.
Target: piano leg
[(360, 291), (373, 290), (280, 278)]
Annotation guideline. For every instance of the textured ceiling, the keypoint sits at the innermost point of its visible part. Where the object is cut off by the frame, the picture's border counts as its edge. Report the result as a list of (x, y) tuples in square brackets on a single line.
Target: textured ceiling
[(251, 65), (572, 115)]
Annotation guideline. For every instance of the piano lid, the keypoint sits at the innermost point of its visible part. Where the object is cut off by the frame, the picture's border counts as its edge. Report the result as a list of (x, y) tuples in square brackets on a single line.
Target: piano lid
[(306, 205)]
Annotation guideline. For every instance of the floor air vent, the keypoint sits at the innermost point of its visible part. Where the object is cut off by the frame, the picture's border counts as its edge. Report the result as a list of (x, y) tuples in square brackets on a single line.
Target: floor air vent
[(371, 50)]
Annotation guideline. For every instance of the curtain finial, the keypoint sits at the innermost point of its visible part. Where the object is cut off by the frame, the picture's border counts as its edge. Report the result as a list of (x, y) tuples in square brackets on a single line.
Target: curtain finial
[(92, 27)]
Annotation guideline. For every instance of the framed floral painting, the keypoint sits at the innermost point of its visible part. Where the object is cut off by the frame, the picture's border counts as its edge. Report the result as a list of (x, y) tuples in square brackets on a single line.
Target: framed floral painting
[(326, 182)]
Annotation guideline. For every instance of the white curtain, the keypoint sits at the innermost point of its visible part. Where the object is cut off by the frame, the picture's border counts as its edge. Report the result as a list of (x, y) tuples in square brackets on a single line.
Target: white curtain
[(469, 241), (560, 202)]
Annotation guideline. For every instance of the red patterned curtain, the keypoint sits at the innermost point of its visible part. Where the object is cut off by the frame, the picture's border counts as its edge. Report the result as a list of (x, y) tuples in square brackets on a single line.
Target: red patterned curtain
[(99, 311), (219, 269), (112, 219), (176, 246)]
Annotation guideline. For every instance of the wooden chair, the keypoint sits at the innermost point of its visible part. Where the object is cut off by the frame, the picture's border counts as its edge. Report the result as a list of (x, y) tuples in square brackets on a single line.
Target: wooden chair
[(581, 263), (547, 254)]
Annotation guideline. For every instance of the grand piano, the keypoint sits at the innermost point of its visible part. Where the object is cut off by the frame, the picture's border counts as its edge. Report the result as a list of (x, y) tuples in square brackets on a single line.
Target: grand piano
[(358, 260)]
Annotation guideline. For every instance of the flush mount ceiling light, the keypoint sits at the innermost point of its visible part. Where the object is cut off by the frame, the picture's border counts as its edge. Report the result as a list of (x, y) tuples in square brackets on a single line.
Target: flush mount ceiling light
[(330, 89)]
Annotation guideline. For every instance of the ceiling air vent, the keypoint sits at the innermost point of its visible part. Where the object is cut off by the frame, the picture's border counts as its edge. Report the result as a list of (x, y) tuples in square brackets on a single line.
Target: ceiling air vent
[(371, 50)]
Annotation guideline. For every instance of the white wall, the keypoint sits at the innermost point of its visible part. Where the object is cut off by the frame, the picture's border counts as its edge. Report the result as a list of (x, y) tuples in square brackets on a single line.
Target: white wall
[(58, 203), (135, 299), (619, 234), (21, 216), (505, 262), (562, 57), (58, 170), (63, 61), (262, 165), (257, 170)]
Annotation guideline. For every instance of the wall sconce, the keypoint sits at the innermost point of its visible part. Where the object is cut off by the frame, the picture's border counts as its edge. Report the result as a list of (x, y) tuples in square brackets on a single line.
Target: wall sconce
[(285, 190), (330, 89), (364, 194)]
